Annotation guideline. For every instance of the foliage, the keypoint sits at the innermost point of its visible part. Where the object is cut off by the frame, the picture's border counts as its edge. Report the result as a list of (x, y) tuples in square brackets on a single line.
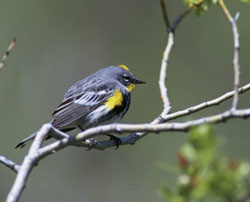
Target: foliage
[(202, 5), (205, 173)]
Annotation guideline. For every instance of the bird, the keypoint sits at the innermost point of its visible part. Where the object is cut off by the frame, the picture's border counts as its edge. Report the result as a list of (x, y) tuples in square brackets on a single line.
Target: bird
[(101, 98)]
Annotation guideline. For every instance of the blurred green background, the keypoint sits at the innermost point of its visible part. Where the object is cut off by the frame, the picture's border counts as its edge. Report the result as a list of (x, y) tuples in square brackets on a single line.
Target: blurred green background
[(60, 42)]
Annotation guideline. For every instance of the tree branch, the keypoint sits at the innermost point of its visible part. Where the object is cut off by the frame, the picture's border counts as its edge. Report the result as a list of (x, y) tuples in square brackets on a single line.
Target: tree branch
[(164, 62), (166, 54), (206, 104), (156, 128), (164, 65), (165, 14), (179, 19), (29, 162), (9, 163), (11, 46), (236, 64), (36, 153)]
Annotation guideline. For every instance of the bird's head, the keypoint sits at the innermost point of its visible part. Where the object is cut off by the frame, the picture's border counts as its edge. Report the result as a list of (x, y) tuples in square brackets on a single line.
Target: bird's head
[(122, 74)]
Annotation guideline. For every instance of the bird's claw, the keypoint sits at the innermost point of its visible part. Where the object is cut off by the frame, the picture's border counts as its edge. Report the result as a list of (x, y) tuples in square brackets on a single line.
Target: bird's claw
[(91, 143), (117, 140)]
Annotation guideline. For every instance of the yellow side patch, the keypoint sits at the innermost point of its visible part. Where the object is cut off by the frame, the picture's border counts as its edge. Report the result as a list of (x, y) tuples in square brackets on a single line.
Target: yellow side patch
[(115, 100), (124, 67), (131, 87)]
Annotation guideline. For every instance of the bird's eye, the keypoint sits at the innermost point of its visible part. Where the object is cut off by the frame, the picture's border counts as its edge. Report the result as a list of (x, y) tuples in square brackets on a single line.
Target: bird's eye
[(126, 78)]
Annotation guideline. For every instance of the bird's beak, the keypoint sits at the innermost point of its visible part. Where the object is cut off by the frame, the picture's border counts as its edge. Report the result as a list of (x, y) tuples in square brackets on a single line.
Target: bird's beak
[(137, 81)]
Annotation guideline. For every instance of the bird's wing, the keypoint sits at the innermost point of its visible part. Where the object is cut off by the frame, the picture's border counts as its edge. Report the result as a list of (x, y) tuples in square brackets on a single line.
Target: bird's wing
[(87, 84), (74, 108)]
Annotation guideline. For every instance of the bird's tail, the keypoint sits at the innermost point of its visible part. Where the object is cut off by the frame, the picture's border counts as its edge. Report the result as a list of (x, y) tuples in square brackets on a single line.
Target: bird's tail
[(32, 137), (25, 141)]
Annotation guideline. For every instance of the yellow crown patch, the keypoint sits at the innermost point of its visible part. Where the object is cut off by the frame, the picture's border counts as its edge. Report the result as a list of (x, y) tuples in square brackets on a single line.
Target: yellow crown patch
[(124, 67)]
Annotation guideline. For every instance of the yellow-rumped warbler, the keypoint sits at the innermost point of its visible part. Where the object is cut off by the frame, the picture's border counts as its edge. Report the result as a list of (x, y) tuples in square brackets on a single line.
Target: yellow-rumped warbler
[(101, 98)]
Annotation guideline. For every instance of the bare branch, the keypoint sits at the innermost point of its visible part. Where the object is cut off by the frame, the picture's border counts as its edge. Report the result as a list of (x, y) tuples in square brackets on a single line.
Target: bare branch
[(124, 128), (164, 63), (206, 104), (9, 163), (36, 153), (11, 46), (236, 64), (29, 162)]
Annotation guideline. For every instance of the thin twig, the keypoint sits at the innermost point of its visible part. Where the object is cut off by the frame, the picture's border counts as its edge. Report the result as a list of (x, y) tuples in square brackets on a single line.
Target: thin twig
[(236, 64), (11, 46), (9, 163), (179, 19), (165, 14), (163, 72), (206, 104), (165, 60)]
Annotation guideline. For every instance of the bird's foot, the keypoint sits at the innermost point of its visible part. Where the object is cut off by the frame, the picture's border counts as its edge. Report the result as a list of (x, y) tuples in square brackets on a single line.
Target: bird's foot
[(117, 140), (91, 143)]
